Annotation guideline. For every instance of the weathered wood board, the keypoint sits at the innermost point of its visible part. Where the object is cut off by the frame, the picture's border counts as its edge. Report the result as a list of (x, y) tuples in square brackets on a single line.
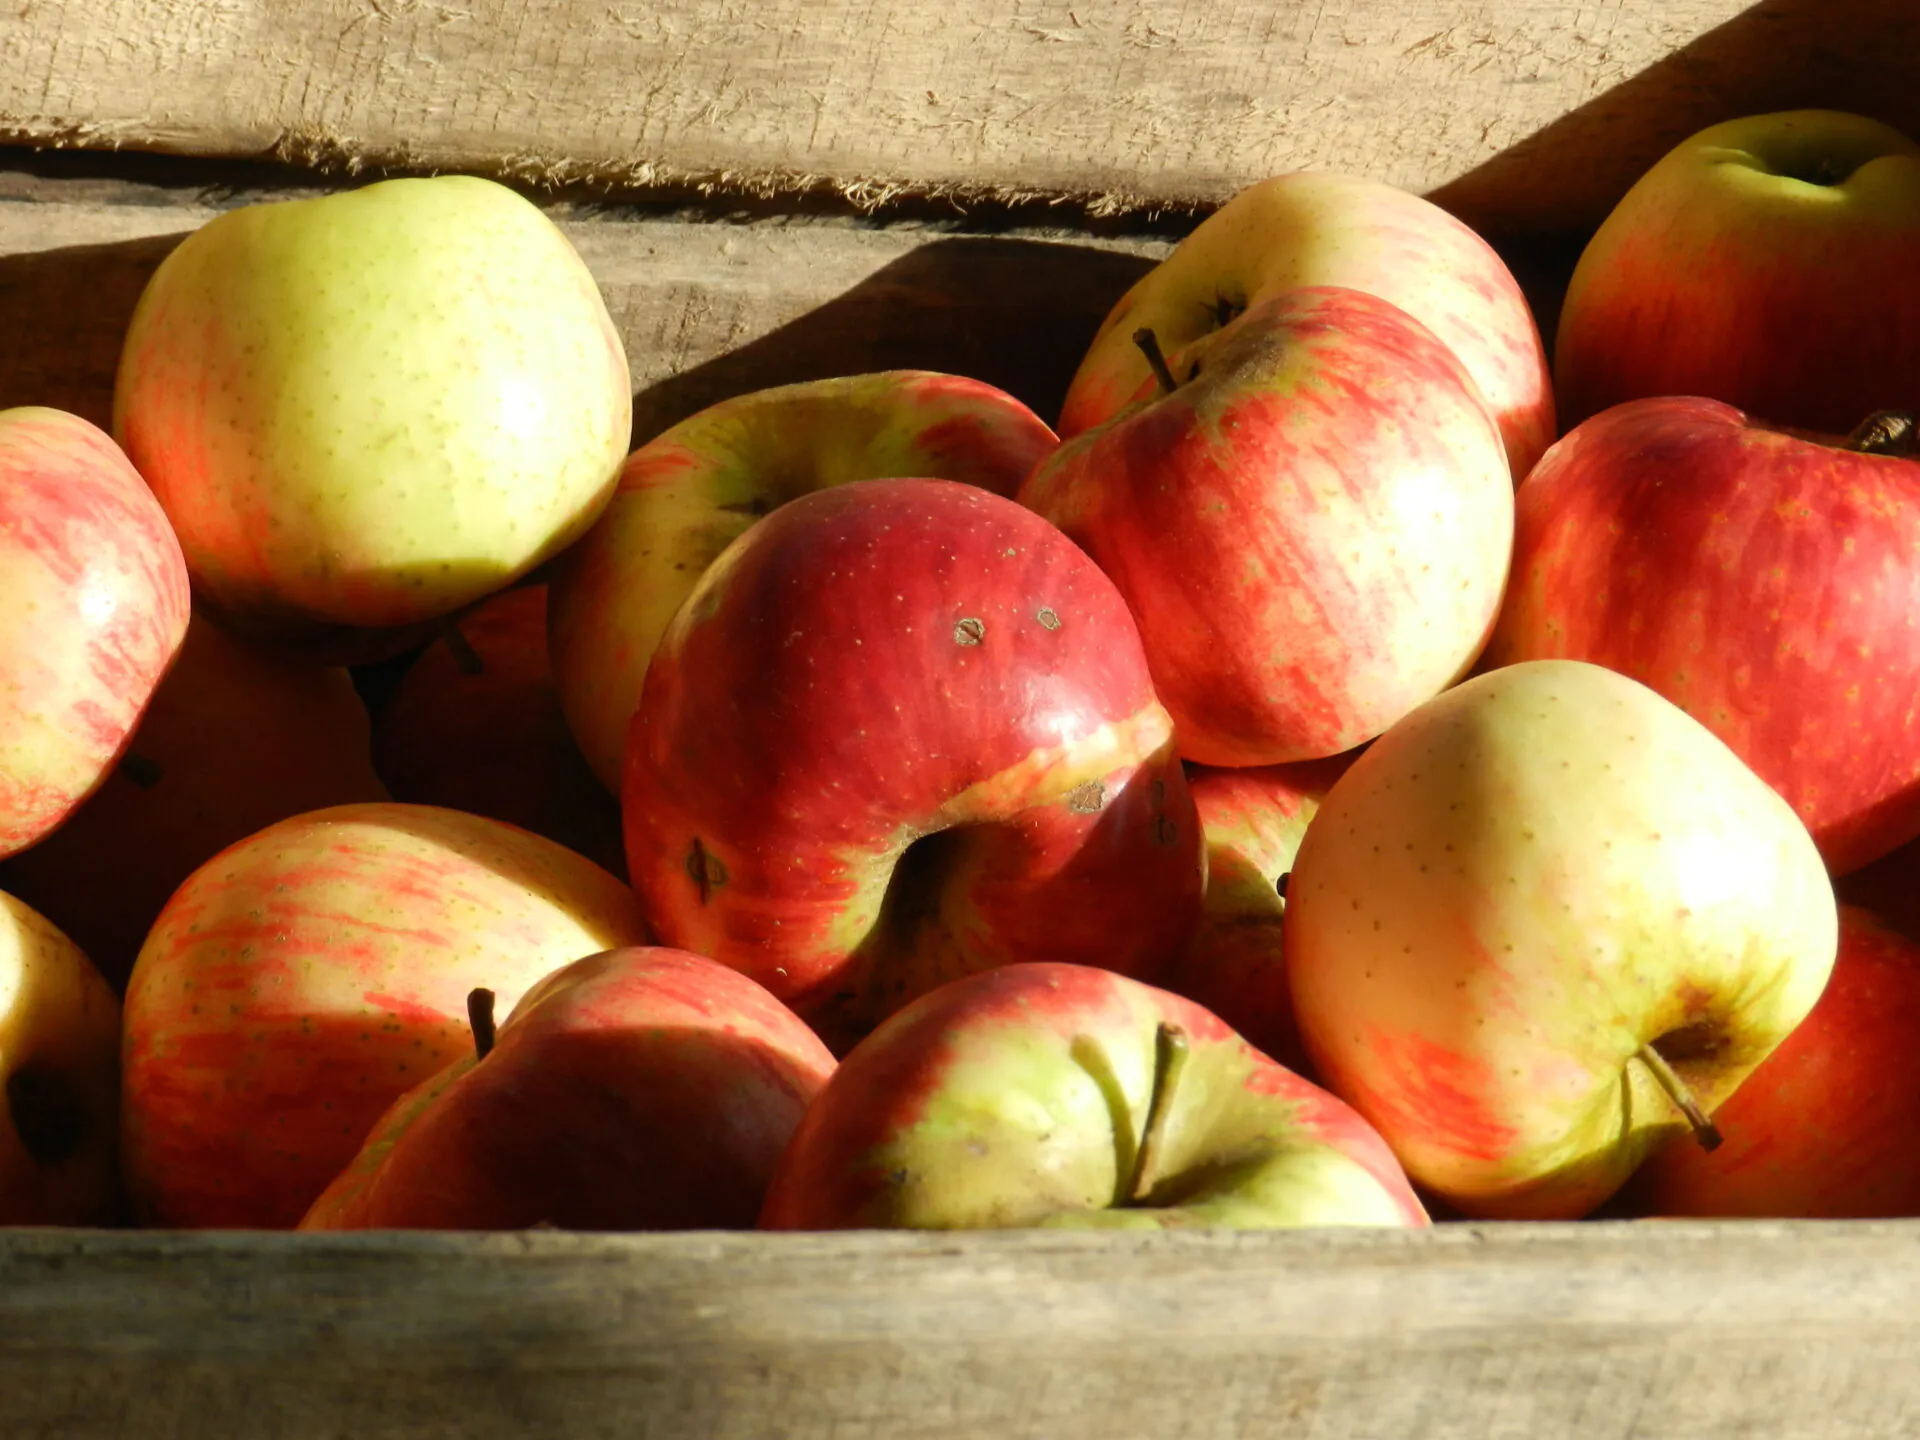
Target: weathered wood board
[(1520, 114), (1610, 1331)]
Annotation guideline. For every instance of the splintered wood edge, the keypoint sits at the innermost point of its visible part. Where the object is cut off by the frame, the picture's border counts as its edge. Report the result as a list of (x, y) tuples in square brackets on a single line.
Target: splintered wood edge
[(1525, 114), (1603, 1329)]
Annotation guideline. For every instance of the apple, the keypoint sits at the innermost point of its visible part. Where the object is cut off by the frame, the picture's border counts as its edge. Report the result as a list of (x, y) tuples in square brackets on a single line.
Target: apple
[(1253, 820), (1766, 581), (93, 606), (637, 1089), (1314, 228), (1542, 924), (237, 737), (1067, 1096), (475, 724), (374, 407), (1766, 262), (686, 494), (901, 731), (1311, 524), (60, 1065), (304, 979), (1825, 1128)]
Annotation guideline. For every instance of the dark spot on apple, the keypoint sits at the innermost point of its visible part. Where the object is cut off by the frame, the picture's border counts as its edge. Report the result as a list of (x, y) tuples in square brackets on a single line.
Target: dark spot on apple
[(970, 631), (1159, 793), (898, 1178), (1048, 620), (1087, 799), (139, 770), (705, 869), (1165, 832), (47, 1113), (756, 506), (1280, 883)]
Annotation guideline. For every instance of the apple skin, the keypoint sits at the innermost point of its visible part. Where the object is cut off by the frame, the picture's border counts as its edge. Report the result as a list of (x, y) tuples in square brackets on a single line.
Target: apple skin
[(93, 607), (1766, 581), (685, 495), (953, 760), (374, 407), (60, 1067), (1253, 820), (1721, 274), (301, 981), (1824, 1129), (495, 743), (1019, 1097), (1313, 228), (238, 736), (1515, 889), (1313, 533), (637, 1089)]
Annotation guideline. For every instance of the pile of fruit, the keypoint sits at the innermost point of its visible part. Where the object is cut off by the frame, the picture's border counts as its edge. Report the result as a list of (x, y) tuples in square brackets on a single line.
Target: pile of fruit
[(1351, 772)]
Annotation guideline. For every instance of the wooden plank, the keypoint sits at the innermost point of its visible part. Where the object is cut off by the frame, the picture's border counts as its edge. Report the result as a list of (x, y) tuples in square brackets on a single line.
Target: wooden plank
[(1521, 114), (708, 309), (1611, 1331)]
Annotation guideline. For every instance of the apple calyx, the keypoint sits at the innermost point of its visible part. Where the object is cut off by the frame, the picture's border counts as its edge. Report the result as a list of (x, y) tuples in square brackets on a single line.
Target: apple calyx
[(1170, 1052), (1149, 344), (480, 1021), (1704, 1130), (466, 659), (1886, 432)]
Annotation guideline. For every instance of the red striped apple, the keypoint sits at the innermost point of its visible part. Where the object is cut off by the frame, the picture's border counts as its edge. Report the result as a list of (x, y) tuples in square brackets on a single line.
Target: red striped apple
[(1766, 262), (1542, 924), (637, 1089), (302, 980), (1312, 228), (1311, 525), (1766, 581), (93, 607), (902, 731), (1825, 1128), (684, 495), (1064, 1096)]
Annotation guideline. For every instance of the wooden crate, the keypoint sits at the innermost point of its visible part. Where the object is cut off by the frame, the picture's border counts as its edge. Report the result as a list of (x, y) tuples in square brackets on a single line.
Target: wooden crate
[(779, 190)]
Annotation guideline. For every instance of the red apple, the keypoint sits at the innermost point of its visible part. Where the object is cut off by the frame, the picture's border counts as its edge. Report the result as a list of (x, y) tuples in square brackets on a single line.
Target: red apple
[(1766, 581), (1825, 1128), (301, 981), (93, 606), (237, 737), (685, 494), (1253, 820), (637, 1089), (1312, 228), (902, 731), (475, 724), (1060, 1095), (1767, 262), (1312, 527)]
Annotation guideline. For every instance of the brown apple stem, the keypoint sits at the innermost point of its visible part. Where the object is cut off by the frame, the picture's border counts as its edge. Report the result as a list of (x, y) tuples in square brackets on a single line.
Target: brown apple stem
[(480, 1021), (1170, 1052), (1704, 1130), (139, 769), (1886, 432), (465, 658), (1149, 344)]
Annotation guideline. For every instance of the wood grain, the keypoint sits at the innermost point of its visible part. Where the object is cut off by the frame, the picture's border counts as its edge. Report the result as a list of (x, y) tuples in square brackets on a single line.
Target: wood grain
[(1609, 1331), (1520, 114), (708, 309)]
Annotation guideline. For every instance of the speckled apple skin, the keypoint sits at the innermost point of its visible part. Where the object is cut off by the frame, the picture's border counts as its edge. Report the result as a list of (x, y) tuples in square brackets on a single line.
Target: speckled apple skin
[(57, 1019), (374, 407), (685, 495), (93, 607), (1512, 891), (302, 980)]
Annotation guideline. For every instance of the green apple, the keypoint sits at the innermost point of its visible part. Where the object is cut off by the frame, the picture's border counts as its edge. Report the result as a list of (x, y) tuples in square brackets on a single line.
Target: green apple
[(374, 407), (1536, 922)]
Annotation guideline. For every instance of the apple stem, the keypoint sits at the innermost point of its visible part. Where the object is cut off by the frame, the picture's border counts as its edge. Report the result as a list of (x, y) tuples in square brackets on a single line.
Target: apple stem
[(1149, 344), (1704, 1130), (480, 1021), (1886, 432), (465, 658), (1170, 1051)]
